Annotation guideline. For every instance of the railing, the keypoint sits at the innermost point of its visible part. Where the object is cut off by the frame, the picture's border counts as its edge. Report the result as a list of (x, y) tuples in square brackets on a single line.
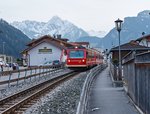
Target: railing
[(8, 77), (81, 109), (137, 79)]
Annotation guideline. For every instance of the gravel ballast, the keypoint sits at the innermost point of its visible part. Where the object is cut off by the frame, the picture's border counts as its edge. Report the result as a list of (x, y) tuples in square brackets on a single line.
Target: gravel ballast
[(14, 88), (63, 99)]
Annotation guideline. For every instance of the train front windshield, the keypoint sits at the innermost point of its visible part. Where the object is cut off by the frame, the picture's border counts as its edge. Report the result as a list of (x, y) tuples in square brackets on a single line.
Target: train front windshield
[(76, 54)]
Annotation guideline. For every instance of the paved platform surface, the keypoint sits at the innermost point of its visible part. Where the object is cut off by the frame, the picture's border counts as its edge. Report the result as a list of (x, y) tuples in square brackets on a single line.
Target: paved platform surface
[(106, 99)]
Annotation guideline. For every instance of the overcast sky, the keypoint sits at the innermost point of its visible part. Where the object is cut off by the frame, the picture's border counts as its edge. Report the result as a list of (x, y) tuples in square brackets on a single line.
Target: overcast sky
[(86, 14)]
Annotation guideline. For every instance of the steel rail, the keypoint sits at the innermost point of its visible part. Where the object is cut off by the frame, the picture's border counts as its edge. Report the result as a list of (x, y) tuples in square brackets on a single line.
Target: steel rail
[(18, 100)]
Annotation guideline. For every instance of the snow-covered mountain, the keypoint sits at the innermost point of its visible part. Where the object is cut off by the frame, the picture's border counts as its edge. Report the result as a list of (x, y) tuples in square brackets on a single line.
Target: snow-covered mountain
[(99, 34), (55, 25)]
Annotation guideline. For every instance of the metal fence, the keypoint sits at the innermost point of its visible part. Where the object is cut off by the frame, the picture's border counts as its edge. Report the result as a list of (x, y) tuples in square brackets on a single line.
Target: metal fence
[(137, 78), (16, 76)]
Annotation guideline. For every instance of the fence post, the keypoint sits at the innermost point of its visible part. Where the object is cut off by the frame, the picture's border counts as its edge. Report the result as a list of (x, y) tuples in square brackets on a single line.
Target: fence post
[(43, 71), (49, 70), (39, 72), (30, 73), (25, 75), (46, 71), (9, 79), (18, 77), (0, 75), (35, 73)]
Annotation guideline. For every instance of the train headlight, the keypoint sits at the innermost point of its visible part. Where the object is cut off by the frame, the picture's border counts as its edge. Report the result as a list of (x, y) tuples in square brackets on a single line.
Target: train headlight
[(68, 60), (83, 60)]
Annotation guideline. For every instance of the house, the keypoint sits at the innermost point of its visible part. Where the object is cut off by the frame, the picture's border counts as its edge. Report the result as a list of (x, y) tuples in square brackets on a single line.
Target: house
[(125, 49), (144, 41), (6, 59), (43, 49)]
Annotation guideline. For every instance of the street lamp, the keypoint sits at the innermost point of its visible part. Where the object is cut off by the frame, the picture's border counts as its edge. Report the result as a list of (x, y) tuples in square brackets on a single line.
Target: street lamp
[(118, 28)]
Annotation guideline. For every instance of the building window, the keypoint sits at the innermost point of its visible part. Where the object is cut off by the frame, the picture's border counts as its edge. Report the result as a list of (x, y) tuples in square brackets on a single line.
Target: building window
[(45, 50)]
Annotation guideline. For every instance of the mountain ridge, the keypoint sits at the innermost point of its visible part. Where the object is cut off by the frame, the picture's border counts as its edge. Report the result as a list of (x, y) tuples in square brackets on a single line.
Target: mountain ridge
[(55, 25), (132, 28), (14, 40)]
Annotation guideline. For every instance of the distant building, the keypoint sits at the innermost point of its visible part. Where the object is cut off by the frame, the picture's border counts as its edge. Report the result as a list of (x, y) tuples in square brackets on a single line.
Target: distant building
[(144, 40), (125, 49), (43, 49), (6, 59)]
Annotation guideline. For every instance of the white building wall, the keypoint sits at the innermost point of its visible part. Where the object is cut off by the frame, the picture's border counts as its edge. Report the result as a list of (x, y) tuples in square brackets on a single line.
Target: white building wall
[(36, 58), (64, 57), (144, 42)]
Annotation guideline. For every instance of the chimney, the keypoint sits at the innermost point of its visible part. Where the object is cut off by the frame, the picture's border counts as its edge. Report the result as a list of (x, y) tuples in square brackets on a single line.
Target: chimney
[(59, 36), (54, 35)]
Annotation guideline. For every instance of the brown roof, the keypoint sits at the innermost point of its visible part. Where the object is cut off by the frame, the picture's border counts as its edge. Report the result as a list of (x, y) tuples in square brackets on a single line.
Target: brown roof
[(84, 43), (130, 46), (54, 41), (49, 38), (80, 43), (144, 37)]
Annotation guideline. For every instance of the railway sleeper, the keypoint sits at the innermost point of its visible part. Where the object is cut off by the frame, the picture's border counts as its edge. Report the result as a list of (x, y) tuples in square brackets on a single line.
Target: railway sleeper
[(27, 105), (6, 105), (22, 109), (18, 112), (2, 109)]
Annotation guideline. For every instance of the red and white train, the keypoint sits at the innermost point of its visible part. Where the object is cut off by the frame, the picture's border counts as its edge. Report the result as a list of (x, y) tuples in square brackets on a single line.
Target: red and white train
[(82, 57)]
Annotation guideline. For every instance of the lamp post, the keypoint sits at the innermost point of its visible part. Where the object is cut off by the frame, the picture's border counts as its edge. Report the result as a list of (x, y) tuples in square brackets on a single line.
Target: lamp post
[(118, 28)]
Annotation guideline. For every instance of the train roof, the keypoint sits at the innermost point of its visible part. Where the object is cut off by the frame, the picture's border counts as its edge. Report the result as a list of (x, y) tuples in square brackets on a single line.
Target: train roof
[(76, 47), (82, 47)]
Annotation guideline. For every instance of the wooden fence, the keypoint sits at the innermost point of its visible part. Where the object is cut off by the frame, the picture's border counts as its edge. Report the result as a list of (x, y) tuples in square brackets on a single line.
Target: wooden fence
[(137, 78)]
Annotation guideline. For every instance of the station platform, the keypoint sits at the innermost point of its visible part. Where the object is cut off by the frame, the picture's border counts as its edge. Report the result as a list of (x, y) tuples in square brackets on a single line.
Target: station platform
[(104, 98)]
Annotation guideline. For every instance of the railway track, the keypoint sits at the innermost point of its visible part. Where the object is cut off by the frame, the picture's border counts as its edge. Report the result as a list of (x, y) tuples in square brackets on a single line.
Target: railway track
[(19, 102)]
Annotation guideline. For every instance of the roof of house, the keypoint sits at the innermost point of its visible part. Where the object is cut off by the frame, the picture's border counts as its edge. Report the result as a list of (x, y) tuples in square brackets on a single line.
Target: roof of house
[(47, 38), (144, 37), (84, 43), (130, 46)]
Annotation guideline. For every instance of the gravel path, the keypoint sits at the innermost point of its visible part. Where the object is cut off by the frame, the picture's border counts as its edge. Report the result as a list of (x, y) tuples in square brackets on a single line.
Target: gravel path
[(62, 100)]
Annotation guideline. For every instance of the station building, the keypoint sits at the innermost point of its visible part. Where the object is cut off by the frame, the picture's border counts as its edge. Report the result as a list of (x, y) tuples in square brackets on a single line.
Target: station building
[(44, 49)]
